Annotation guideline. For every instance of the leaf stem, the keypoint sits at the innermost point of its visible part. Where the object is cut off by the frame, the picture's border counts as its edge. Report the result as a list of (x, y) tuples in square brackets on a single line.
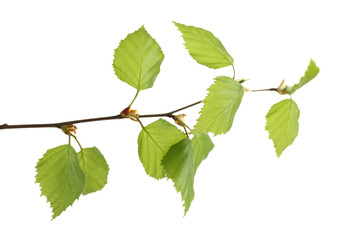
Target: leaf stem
[(188, 127), (69, 139), (233, 68), (185, 130), (75, 138), (135, 97), (141, 124)]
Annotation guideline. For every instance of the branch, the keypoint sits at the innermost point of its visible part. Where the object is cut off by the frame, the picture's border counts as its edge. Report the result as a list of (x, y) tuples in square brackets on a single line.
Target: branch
[(60, 124), (169, 114), (263, 90)]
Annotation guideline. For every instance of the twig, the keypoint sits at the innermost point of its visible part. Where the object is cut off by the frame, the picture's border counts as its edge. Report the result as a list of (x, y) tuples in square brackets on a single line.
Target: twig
[(264, 90), (60, 124)]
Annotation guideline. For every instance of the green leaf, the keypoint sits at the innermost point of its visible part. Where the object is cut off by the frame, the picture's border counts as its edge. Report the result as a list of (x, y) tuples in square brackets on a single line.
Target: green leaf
[(95, 169), (179, 167), (220, 106), (202, 146), (137, 59), (309, 75), (282, 124), (60, 177), (154, 142), (204, 47)]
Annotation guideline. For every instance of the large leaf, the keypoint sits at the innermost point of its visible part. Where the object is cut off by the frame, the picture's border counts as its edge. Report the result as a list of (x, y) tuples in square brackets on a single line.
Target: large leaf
[(204, 47), (154, 142), (220, 106), (309, 75), (179, 166), (137, 59), (202, 146), (282, 124), (60, 177), (95, 169), (181, 162)]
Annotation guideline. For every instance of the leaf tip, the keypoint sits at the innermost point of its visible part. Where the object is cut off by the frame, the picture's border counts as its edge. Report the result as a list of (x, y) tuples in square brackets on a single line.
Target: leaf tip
[(142, 28), (279, 152), (176, 23)]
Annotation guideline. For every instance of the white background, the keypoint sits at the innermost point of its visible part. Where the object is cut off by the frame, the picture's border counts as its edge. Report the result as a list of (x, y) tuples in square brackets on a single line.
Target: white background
[(56, 65)]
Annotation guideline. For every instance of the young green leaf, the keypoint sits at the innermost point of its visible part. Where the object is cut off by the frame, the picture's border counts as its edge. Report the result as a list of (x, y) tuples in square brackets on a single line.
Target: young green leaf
[(309, 75), (202, 146), (60, 177), (154, 142), (95, 169), (204, 47), (220, 106), (282, 124), (137, 59), (178, 164)]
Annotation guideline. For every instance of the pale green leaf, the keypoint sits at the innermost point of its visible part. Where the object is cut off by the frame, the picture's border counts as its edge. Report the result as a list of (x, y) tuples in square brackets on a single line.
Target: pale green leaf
[(154, 142), (309, 75), (202, 146), (204, 47), (137, 59), (178, 164), (60, 177), (95, 168), (282, 124), (220, 106)]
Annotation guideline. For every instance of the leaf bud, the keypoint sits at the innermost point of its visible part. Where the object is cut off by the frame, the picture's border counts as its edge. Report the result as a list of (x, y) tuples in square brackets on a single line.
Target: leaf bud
[(179, 119), (283, 88), (67, 129), (128, 113)]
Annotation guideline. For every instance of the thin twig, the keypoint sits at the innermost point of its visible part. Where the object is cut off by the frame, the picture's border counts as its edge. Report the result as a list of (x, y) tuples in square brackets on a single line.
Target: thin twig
[(169, 114), (264, 90), (60, 124)]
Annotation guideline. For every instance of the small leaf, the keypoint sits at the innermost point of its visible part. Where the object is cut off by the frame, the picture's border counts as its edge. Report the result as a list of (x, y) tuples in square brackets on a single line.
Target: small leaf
[(282, 124), (154, 142), (204, 47), (178, 164), (309, 75), (202, 146), (95, 169), (60, 177), (137, 59), (220, 106)]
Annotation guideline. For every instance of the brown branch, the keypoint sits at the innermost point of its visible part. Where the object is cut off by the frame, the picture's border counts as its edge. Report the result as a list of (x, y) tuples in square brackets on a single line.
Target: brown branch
[(169, 114), (60, 124), (264, 90)]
